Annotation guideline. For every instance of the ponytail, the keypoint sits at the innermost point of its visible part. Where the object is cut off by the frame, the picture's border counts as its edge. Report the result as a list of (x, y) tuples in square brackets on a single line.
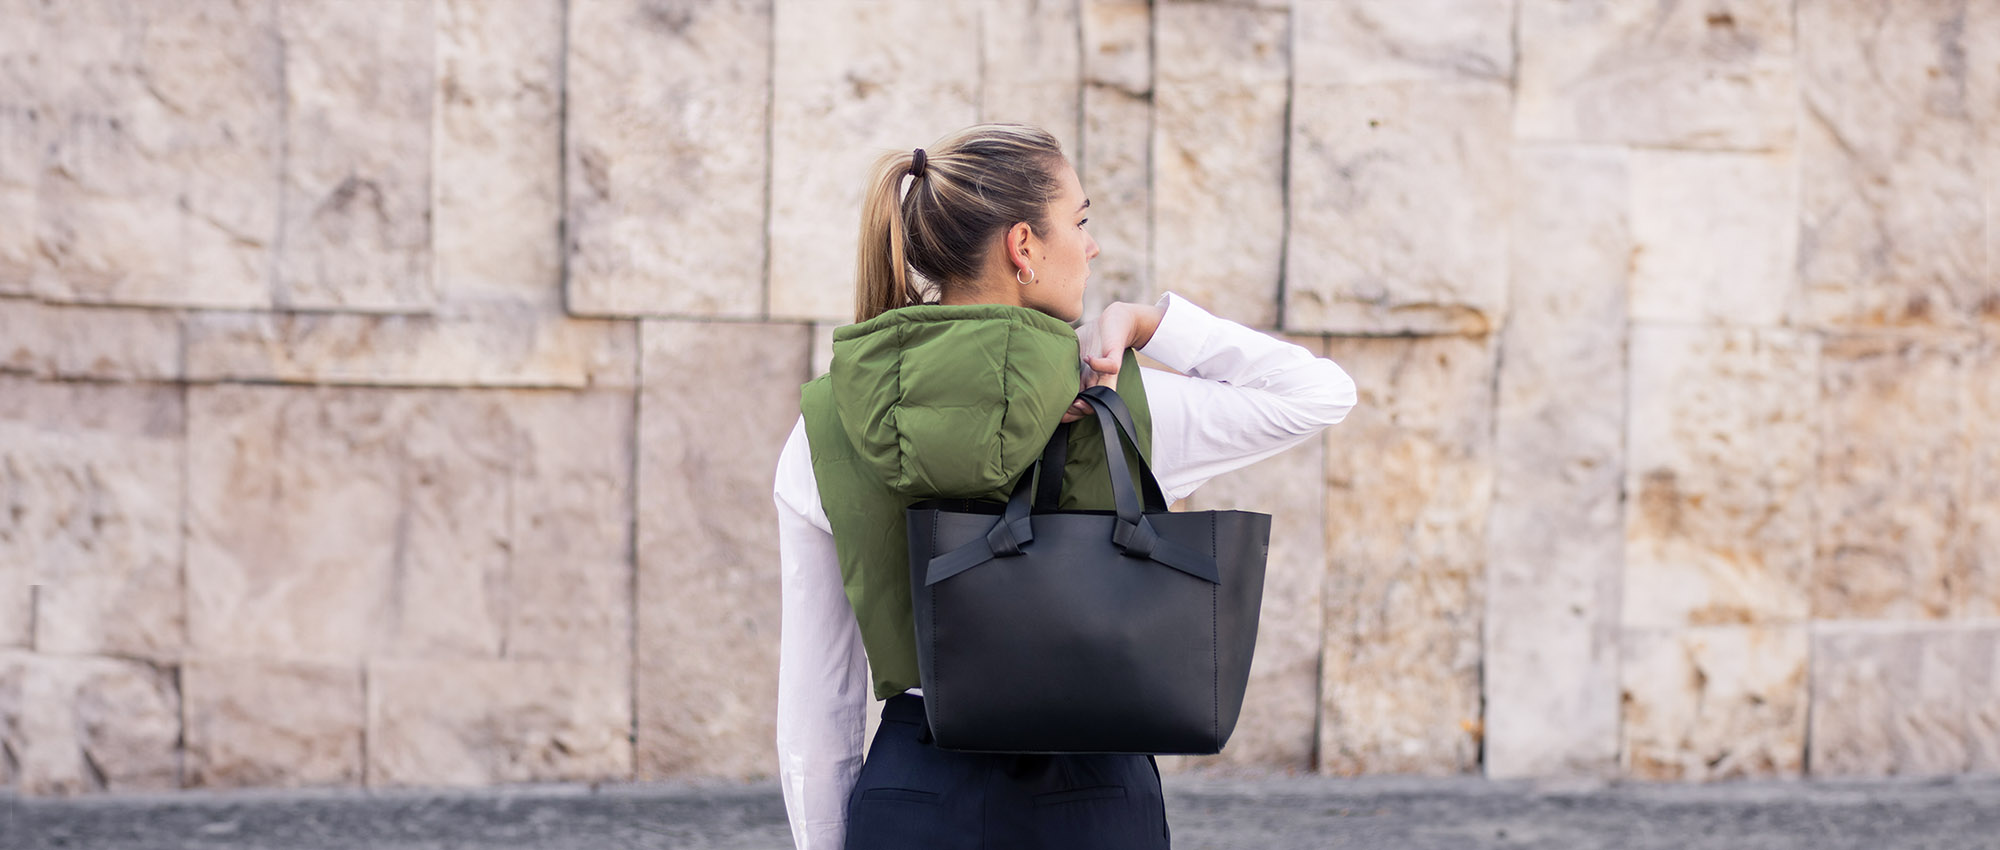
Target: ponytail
[(970, 185), (882, 273)]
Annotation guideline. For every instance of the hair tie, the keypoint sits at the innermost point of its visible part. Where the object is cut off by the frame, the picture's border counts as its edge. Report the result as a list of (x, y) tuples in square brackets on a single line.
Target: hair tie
[(917, 164)]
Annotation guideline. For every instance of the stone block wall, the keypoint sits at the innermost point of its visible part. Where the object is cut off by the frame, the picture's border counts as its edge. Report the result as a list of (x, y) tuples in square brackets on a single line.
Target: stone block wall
[(389, 390)]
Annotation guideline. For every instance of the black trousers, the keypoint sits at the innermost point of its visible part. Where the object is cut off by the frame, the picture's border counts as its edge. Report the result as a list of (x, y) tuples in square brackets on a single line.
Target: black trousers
[(913, 795)]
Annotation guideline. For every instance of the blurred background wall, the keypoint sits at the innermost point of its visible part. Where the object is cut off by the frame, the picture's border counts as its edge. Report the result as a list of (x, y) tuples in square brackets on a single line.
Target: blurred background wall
[(392, 387)]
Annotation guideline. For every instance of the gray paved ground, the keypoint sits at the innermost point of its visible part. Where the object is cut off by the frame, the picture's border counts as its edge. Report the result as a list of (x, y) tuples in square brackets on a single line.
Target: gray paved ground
[(1266, 814)]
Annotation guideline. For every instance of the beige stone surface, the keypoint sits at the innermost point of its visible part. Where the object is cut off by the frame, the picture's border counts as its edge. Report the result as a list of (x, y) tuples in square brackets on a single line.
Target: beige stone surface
[(853, 80), (60, 341), (90, 507), (1892, 230), (1892, 477), (1281, 707), (1409, 484), (1031, 66), (1722, 439), (1723, 702), (1711, 75), (1982, 698), (331, 524), (1715, 236), (1978, 565), (259, 724), (1117, 38), (1115, 163), (157, 162), (518, 345), (707, 555), (1361, 42), (1888, 701), (359, 83), (570, 573), (1395, 191), (1116, 172), (1554, 541), (822, 347), (499, 209), (1219, 157), (24, 134), (74, 724), (668, 111), (485, 722)]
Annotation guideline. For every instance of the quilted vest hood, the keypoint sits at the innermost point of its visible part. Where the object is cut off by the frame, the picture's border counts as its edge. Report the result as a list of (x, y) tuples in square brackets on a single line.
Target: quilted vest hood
[(953, 401)]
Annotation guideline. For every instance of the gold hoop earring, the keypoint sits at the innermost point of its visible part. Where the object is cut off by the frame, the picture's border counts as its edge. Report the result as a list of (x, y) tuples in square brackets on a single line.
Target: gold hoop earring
[(1017, 275)]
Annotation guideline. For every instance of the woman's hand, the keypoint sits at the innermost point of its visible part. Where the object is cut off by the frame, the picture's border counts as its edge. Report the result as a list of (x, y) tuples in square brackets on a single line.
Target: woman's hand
[(1102, 343)]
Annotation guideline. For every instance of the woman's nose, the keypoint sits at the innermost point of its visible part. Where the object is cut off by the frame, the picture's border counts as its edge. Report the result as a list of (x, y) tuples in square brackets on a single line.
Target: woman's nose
[(1090, 251)]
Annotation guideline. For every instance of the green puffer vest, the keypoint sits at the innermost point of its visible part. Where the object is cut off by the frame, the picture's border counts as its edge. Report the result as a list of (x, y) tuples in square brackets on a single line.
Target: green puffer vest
[(940, 401)]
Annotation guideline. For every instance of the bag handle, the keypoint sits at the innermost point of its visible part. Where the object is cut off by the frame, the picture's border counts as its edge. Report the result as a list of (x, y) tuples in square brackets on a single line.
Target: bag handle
[(1049, 474), (1133, 533)]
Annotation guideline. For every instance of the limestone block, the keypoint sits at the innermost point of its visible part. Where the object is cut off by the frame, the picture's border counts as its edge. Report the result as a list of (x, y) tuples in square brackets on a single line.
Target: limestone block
[(1710, 75), (822, 347), (1409, 482), (1117, 37), (359, 84), (1725, 702), (1219, 157), (258, 724), (1892, 231), (1031, 66), (25, 128), (90, 506), (57, 341), (1281, 708), (1722, 440), (1715, 236), (1892, 468), (707, 568), (330, 524), (503, 346), (160, 127), (1555, 539), (484, 722), (1982, 699), (499, 218), (72, 724), (570, 577), (1344, 42), (668, 117), (1979, 535), (1116, 172), (874, 76), (1395, 191), (1888, 702)]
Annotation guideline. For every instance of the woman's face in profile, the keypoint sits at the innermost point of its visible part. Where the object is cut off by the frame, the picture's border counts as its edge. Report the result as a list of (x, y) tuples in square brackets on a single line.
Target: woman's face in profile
[(1062, 259)]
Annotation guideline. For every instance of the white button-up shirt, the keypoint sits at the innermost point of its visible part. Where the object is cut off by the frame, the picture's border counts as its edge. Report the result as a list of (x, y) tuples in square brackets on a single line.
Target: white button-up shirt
[(1243, 396)]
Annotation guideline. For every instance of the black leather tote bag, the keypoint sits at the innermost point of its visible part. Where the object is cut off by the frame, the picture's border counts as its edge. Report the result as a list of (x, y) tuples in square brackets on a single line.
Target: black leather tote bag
[(1048, 631)]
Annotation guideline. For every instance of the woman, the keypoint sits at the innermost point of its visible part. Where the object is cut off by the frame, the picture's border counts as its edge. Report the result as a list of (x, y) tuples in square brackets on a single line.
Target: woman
[(952, 390)]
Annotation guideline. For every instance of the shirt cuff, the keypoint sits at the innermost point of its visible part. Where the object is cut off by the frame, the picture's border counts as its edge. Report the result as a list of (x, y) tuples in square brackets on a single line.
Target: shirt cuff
[(1182, 335)]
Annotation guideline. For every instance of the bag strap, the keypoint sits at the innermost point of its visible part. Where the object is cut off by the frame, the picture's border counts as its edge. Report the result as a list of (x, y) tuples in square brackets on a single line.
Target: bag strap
[(1049, 476), (1106, 399)]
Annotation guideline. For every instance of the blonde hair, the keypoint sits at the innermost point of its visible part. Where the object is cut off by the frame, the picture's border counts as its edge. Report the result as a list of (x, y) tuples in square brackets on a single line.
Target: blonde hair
[(974, 183)]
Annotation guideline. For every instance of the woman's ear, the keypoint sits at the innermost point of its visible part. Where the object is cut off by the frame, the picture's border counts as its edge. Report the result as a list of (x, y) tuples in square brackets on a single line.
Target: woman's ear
[(1020, 242)]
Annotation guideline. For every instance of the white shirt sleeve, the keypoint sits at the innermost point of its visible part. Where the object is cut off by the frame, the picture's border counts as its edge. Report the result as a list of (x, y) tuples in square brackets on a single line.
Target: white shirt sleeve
[(822, 669), (1243, 397)]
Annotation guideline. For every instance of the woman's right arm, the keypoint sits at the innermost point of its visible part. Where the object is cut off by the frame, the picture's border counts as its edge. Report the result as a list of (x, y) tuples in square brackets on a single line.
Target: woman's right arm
[(1243, 395), (822, 669)]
